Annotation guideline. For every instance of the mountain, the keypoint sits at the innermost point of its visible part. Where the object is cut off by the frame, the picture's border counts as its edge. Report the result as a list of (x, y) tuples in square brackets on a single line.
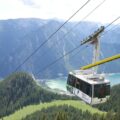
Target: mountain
[(19, 90), (71, 109), (64, 112), (31, 109), (20, 37), (69, 113)]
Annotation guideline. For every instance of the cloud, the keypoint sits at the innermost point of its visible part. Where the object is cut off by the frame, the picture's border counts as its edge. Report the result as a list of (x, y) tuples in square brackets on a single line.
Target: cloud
[(60, 9), (28, 2)]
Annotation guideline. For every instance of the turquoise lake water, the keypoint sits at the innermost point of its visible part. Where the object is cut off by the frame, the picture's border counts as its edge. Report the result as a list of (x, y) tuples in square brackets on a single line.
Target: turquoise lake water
[(60, 83)]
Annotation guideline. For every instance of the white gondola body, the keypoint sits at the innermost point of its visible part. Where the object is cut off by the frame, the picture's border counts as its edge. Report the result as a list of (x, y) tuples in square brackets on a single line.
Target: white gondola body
[(88, 86)]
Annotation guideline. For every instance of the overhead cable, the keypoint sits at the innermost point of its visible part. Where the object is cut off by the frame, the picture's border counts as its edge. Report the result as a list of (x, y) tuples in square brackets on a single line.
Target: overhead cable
[(69, 31), (27, 58), (69, 52)]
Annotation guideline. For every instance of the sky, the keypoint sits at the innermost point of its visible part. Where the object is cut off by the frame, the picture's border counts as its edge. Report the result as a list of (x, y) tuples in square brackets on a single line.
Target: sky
[(60, 9)]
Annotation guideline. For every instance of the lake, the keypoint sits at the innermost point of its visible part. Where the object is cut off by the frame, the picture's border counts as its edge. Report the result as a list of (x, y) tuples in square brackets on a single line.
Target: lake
[(60, 83)]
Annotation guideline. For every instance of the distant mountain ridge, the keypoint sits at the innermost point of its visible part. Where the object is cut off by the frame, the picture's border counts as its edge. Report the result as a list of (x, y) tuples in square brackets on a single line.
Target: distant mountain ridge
[(19, 37)]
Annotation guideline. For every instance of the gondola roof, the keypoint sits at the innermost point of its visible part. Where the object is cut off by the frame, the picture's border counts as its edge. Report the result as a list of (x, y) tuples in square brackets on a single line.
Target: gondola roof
[(89, 76)]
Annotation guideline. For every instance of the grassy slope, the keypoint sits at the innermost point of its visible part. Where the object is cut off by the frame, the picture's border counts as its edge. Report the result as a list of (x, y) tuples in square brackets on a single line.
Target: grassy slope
[(18, 115)]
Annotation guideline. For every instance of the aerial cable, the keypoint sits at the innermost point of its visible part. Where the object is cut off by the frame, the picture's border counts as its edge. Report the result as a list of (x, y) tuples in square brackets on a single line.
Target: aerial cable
[(69, 31), (111, 29), (71, 51), (109, 26), (61, 57), (80, 51), (112, 22), (27, 58), (104, 32)]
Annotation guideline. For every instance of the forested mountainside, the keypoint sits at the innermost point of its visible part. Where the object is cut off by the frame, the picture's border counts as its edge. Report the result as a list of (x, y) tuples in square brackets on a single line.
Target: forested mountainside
[(20, 37), (65, 112), (20, 89), (69, 113), (112, 107), (30, 109)]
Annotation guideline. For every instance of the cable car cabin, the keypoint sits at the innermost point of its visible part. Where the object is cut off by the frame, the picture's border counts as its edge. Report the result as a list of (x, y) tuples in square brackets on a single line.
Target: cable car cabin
[(91, 88)]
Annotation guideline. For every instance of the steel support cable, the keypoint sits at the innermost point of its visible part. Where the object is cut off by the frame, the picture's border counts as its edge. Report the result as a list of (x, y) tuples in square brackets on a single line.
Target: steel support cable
[(104, 32), (76, 25), (109, 26), (61, 57), (79, 51), (112, 22), (111, 29), (55, 61), (27, 58), (83, 51)]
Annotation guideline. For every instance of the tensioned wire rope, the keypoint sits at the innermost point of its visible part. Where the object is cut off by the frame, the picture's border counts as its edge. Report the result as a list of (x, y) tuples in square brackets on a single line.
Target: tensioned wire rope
[(71, 51), (111, 29), (104, 33), (44, 53), (49, 38), (76, 25)]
